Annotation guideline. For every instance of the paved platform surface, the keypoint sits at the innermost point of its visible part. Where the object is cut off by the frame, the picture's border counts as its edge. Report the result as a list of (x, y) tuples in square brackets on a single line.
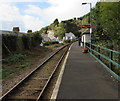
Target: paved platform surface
[(85, 78)]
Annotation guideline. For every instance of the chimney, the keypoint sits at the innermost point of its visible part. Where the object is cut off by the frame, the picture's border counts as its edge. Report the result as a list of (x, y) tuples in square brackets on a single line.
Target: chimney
[(29, 31), (16, 29)]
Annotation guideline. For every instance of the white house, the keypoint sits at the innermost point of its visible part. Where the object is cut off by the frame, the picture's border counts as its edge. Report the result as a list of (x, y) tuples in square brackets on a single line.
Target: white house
[(69, 36), (46, 39)]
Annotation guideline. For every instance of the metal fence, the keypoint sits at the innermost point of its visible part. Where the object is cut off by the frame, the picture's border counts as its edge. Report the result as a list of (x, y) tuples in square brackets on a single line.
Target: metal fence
[(107, 57)]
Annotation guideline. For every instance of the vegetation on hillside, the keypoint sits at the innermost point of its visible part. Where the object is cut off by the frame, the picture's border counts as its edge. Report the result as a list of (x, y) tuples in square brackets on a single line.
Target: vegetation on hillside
[(105, 24), (60, 28), (106, 20)]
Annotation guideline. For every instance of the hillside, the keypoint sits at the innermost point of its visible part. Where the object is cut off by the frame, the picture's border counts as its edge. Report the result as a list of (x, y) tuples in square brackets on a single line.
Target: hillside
[(105, 19), (60, 28)]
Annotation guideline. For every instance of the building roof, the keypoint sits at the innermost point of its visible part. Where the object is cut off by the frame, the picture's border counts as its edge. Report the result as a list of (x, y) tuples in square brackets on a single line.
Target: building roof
[(86, 26), (69, 35)]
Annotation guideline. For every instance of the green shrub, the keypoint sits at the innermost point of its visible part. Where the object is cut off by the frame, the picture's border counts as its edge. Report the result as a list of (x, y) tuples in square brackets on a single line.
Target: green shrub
[(14, 58), (6, 72), (47, 43), (25, 64), (67, 41), (36, 39), (55, 42), (74, 40)]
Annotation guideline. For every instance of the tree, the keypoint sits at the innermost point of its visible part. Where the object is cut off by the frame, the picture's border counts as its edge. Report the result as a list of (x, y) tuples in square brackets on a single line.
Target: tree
[(56, 22), (105, 16), (61, 30)]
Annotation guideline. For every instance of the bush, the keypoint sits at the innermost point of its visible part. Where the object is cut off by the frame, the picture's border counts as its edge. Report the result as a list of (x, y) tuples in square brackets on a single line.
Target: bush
[(70, 41), (74, 40), (47, 43), (31, 40), (15, 58), (36, 39), (55, 42), (67, 41)]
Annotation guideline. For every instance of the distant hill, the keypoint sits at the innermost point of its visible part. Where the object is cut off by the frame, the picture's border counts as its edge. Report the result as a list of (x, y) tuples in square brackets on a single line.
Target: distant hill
[(60, 28)]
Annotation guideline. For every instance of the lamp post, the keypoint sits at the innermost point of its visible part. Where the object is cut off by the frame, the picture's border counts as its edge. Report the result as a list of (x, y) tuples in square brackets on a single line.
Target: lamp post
[(90, 23)]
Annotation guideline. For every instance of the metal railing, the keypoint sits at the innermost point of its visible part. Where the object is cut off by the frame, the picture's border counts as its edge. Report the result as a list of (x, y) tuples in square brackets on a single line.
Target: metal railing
[(106, 57)]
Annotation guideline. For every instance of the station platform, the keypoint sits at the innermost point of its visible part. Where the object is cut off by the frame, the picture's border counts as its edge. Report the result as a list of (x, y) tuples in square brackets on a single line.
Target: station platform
[(85, 78)]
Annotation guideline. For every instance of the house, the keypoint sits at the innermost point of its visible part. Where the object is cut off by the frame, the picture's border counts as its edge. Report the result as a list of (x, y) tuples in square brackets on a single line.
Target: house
[(68, 36), (46, 39)]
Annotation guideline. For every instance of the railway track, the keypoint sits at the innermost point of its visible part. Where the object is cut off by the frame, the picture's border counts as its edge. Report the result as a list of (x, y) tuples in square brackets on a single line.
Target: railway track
[(32, 87)]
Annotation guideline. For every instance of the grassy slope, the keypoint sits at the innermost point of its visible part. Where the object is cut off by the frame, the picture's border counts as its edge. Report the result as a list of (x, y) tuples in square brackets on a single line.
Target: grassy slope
[(22, 60)]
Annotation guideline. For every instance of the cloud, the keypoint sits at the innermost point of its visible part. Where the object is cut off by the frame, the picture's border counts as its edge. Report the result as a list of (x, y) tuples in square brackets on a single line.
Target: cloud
[(32, 9), (11, 17), (60, 9), (32, 23), (23, 0), (64, 10), (9, 12), (33, 17)]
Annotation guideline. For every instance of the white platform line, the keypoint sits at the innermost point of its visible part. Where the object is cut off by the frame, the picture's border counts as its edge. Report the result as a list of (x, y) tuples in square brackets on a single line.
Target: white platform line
[(57, 85)]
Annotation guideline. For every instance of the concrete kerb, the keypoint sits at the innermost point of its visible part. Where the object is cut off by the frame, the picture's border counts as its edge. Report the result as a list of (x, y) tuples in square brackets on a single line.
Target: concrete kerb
[(57, 85)]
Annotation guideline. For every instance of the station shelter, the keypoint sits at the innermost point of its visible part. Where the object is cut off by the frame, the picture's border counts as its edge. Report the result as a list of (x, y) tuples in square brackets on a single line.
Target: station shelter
[(85, 37)]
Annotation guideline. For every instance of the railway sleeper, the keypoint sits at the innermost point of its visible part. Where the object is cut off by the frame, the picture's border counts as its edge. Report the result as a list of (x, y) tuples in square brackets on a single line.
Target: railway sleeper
[(38, 89), (23, 98), (39, 79)]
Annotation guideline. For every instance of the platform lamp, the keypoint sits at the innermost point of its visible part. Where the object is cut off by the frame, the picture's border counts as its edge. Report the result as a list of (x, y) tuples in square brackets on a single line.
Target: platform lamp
[(90, 23)]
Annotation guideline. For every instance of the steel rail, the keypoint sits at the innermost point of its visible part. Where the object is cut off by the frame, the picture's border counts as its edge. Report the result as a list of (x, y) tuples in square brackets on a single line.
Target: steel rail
[(2, 98), (50, 78)]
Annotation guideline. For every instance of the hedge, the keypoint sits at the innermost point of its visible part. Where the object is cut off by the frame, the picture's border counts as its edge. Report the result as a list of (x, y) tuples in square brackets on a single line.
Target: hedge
[(12, 42)]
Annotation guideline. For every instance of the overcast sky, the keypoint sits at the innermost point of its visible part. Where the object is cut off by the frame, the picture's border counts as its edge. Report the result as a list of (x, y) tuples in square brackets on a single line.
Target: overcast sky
[(35, 14)]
